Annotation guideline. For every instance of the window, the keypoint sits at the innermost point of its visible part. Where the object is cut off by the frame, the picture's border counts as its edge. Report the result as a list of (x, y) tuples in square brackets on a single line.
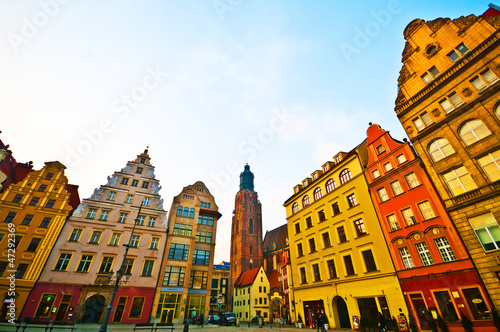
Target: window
[(206, 237), (145, 184), (122, 218), (49, 176), (295, 207), (96, 236), (473, 131), (115, 239), (84, 264), (330, 185), (91, 214), (201, 257), (297, 228), (140, 220), (178, 252), (45, 306), (305, 201), (309, 223), (139, 170), (424, 253), (326, 240), (487, 231), (33, 244), (351, 200), (62, 262), (50, 203), (128, 264), (179, 211), (401, 159), (174, 276), (151, 221), (446, 307), (18, 198), (375, 174), (396, 188), (27, 219), (445, 249), (409, 217), (136, 308), (75, 235), (335, 208), (341, 233), (393, 222), (20, 271), (317, 276), (369, 261), (318, 193), (106, 264), (303, 277), (349, 268), (458, 53), (250, 226), (491, 165), (135, 183), (45, 222), (459, 181), (191, 213), (331, 268), (183, 230), (129, 198), (345, 175), (431, 74), (484, 80), (406, 257), (312, 246), (382, 194), (380, 149), (104, 215), (451, 102), (426, 210), (412, 180), (422, 121), (125, 181), (155, 241), (147, 269), (360, 227), (111, 195), (300, 251), (387, 167), (439, 149), (17, 240), (476, 303), (143, 160), (42, 187), (198, 280), (34, 201), (321, 215), (134, 241)]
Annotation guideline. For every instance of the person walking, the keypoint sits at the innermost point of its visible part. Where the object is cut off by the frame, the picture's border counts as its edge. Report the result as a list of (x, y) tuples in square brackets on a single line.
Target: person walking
[(382, 323)]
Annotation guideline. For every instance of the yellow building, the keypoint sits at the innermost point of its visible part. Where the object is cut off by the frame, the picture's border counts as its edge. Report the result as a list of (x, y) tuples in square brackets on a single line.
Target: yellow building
[(33, 212), (340, 262), (251, 297)]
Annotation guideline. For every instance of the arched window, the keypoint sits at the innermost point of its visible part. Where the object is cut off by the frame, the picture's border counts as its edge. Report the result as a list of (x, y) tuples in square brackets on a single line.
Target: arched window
[(236, 227), (473, 131), (250, 226), (440, 148), (251, 250), (295, 207), (179, 211), (318, 193), (191, 213), (186, 212), (497, 111), (345, 175), (305, 201), (330, 185)]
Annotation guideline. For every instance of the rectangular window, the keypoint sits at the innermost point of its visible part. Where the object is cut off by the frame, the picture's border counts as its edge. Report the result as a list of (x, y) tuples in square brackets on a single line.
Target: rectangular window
[(183, 230), (459, 181), (446, 307), (42, 187), (129, 198), (476, 303), (317, 276), (380, 149), (487, 231), (91, 214), (445, 249), (335, 209), (104, 215), (140, 220), (312, 246), (409, 217), (424, 253), (145, 184), (341, 233), (331, 268), (115, 239), (309, 222), (303, 277), (382, 194), (62, 262), (122, 218), (135, 183), (174, 276), (430, 75), (297, 228), (458, 53), (124, 181), (151, 221), (349, 268), (198, 280), (34, 201), (451, 102), (326, 240), (50, 203), (406, 257), (10, 217), (401, 159), (369, 261), (178, 252), (18, 198), (20, 271), (33, 244), (396, 188), (426, 210), (387, 167), (49, 176), (147, 269), (484, 80), (84, 264), (375, 174), (139, 170), (106, 264), (45, 305), (96, 236), (422, 121), (134, 241), (351, 200), (45, 222), (321, 215), (111, 195), (360, 227), (137, 304), (393, 222), (412, 180), (201, 257), (491, 165), (75, 235), (300, 251), (27, 219), (128, 264), (155, 241)]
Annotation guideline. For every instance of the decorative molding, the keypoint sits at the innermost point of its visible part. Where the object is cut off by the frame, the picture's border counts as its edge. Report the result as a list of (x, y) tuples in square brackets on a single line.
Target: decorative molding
[(407, 51), (401, 98), (412, 27), (467, 92), (438, 48), (494, 21), (436, 24), (404, 75), (409, 129), (435, 112), (464, 22)]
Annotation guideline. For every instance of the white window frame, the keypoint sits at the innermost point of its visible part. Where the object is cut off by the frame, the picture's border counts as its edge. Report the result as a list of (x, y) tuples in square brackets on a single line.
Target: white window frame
[(409, 218), (475, 130), (439, 149), (382, 194), (462, 178), (393, 221), (412, 180), (396, 188), (451, 102), (445, 249), (424, 253), (406, 258), (426, 210), (484, 80), (422, 121), (490, 165)]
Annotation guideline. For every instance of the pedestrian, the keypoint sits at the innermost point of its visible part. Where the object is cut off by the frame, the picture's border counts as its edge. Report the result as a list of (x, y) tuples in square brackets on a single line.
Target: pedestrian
[(324, 321), (201, 319), (382, 323)]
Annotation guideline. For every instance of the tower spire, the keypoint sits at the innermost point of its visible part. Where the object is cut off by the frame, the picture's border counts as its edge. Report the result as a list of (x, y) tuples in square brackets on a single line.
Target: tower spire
[(246, 179)]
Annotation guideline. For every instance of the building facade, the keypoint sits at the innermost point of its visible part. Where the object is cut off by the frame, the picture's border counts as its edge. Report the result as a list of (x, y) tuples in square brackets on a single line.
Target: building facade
[(448, 103), (183, 291), (436, 273), (246, 229), (340, 262), (77, 282), (251, 295), (33, 212), (219, 293)]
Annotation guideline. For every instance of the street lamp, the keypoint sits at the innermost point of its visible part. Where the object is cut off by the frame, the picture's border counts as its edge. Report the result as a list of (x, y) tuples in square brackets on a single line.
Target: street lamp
[(119, 274)]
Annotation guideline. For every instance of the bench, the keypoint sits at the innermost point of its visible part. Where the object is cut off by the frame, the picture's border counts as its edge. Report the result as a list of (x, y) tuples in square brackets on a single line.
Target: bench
[(154, 327)]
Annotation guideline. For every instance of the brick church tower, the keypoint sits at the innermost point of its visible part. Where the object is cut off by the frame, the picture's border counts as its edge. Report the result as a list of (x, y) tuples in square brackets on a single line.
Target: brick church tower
[(246, 229)]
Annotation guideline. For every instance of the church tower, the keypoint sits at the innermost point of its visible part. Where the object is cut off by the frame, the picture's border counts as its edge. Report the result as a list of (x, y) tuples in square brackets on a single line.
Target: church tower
[(246, 229)]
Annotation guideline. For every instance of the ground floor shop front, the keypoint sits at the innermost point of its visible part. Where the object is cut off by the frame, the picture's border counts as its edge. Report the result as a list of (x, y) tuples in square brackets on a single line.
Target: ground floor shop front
[(174, 305)]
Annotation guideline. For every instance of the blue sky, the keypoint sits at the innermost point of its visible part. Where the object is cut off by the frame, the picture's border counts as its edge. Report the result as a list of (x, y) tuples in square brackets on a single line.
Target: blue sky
[(208, 85)]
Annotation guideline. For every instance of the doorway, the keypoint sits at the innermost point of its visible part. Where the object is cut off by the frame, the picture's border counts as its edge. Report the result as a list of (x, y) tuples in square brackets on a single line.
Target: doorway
[(343, 313), (93, 309), (167, 315), (420, 310)]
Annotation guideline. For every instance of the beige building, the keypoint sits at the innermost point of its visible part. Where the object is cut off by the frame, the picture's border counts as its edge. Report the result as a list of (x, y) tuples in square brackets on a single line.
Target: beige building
[(81, 270), (251, 295), (186, 273)]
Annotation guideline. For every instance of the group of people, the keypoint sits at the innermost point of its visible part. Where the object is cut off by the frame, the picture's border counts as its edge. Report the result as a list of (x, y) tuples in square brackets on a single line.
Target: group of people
[(321, 321)]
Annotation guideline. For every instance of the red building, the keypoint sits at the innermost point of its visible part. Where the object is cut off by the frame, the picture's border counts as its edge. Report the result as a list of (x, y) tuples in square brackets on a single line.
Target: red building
[(436, 273), (10, 170)]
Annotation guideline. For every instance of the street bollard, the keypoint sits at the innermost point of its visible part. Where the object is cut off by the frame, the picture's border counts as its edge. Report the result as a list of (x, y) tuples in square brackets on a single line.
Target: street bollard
[(260, 322)]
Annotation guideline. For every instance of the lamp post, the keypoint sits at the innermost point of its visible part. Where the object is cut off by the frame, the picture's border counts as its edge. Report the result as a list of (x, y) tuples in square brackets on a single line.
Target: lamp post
[(119, 274)]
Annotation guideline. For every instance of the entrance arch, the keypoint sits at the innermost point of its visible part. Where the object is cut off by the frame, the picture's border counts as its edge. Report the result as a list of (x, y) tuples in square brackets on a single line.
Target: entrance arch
[(93, 308), (344, 321)]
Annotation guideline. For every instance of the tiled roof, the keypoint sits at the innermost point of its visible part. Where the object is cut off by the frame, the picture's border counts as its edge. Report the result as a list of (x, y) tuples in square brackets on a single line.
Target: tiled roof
[(246, 278), (273, 279), (277, 236)]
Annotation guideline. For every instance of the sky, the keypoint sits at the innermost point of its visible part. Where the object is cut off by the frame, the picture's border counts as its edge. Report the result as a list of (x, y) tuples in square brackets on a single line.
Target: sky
[(208, 85)]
